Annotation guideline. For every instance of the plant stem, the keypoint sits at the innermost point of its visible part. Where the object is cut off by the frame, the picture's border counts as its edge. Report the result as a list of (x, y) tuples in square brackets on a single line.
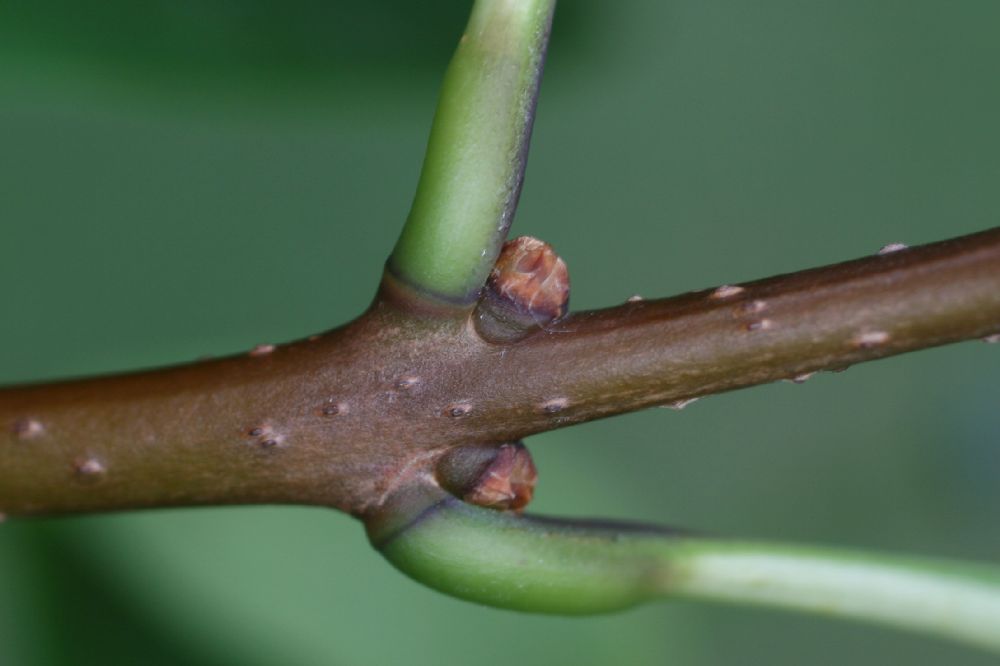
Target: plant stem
[(359, 419), (662, 352), (474, 167), (407, 382), (326, 421), (953, 600), (557, 566)]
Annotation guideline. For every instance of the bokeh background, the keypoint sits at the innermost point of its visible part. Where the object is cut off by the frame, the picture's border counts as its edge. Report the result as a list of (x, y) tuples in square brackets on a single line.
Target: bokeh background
[(190, 177)]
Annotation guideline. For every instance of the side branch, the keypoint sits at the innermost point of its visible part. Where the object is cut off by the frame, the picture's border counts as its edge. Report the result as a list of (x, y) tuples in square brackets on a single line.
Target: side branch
[(574, 567), (663, 352), (472, 174)]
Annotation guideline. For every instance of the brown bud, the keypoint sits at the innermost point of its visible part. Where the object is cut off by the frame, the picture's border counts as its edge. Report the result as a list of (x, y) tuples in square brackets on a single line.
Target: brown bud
[(497, 477), (528, 289)]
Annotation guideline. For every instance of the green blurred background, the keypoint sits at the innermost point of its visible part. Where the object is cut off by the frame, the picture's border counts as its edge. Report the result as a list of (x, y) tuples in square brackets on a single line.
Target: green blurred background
[(190, 177)]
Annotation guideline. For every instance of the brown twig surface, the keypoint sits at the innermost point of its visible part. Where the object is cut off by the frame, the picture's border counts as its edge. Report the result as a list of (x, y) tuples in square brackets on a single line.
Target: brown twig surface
[(343, 418)]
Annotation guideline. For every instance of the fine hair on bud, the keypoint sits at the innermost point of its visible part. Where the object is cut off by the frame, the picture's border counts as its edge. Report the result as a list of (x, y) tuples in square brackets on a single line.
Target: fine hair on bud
[(527, 290)]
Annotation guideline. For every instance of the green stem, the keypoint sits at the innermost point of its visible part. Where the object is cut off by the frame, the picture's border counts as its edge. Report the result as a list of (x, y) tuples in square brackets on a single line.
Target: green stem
[(474, 167), (954, 600), (577, 567)]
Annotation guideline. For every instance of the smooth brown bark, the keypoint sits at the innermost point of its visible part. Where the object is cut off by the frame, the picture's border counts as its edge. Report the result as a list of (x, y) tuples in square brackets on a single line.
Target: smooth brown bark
[(342, 419)]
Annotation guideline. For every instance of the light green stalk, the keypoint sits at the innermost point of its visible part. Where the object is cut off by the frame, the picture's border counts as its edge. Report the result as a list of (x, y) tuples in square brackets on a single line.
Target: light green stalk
[(572, 567), (474, 167)]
